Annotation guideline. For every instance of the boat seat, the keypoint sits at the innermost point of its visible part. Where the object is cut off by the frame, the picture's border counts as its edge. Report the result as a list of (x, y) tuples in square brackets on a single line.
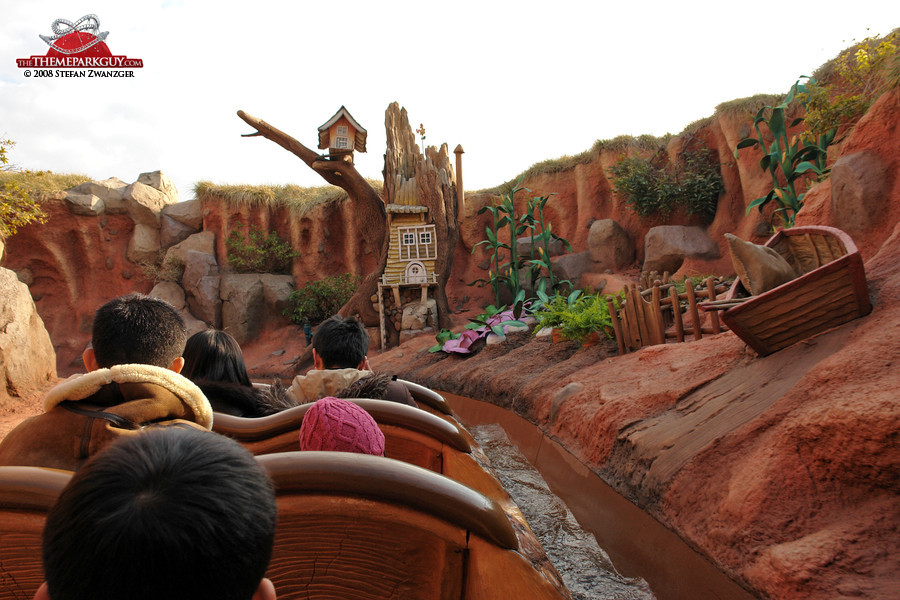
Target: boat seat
[(411, 435), (427, 398), (360, 527), (26, 495)]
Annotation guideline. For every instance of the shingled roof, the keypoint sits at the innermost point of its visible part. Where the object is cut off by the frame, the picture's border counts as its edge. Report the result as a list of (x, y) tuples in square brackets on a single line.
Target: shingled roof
[(359, 143)]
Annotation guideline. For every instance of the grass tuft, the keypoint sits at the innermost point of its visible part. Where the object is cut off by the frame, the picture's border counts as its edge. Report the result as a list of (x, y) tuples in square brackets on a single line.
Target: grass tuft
[(40, 184), (296, 198)]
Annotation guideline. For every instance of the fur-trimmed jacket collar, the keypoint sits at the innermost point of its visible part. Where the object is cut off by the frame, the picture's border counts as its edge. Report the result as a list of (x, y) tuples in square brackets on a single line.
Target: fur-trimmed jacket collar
[(86, 412), (347, 383)]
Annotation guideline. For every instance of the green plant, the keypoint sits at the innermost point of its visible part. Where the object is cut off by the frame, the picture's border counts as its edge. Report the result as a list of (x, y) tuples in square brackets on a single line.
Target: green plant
[(507, 272), (694, 183), (789, 160), (318, 300), (17, 207), (575, 316), (259, 252), (841, 91)]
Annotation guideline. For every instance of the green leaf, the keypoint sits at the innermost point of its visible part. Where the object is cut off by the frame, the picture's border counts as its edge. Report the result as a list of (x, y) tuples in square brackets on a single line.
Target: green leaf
[(759, 202), (804, 167), (746, 143)]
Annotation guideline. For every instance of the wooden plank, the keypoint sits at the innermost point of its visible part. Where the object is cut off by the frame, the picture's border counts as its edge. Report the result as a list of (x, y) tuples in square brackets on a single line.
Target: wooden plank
[(713, 316), (656, 316), (676, 311), (692, 307), (617, 326)]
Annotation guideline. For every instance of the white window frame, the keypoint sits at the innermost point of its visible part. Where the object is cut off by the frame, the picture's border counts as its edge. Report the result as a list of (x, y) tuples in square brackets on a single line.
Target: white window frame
[(341, 142), (417, 250), (342, 130)]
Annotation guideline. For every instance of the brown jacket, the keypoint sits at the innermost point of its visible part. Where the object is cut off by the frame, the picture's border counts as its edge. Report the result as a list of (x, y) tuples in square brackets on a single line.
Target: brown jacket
[(86, 412)]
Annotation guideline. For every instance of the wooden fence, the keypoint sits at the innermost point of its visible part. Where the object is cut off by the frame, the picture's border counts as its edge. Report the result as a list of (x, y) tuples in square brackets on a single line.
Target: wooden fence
[(653, 312)]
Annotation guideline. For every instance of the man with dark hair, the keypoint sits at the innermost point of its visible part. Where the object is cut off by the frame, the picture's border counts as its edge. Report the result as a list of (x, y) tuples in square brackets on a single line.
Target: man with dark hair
[(132, 382), (341, 367), (171, 514)]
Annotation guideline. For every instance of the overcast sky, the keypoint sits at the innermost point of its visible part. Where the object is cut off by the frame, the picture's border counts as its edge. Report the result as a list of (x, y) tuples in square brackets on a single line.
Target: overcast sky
[(514, 82)]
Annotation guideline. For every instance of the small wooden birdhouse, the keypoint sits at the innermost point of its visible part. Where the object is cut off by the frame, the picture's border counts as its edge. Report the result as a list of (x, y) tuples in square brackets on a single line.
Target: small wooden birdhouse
[(341, 135)]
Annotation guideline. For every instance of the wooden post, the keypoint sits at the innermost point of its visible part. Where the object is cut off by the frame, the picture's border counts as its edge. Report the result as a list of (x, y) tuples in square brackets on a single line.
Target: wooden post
[(713, 315), (692, 307), (460, 191), (381, 328), (617, 326), (656, 308), (676, 311)]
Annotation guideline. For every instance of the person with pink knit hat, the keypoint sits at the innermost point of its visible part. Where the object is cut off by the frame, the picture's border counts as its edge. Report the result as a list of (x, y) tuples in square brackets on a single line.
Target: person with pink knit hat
[(341, 426)]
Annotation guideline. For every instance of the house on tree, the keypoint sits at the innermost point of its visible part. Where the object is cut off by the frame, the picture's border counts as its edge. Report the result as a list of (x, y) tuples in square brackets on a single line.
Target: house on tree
[(341, 135)]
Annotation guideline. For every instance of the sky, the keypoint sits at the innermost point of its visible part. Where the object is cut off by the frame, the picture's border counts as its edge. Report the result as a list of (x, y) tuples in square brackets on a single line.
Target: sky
[(514, 83)]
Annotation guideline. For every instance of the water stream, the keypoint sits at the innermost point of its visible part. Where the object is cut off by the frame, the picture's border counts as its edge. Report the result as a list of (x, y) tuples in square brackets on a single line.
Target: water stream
[(639, 547), (586, 569)]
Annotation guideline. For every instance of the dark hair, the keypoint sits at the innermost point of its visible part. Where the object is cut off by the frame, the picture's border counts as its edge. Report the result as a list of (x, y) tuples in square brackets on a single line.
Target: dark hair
[(137, 329), (216, 356), (341, 343), (172, 513)]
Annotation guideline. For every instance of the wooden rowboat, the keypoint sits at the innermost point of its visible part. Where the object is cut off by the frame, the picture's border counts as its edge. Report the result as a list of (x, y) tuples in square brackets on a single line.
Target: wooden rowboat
[(830, 291)]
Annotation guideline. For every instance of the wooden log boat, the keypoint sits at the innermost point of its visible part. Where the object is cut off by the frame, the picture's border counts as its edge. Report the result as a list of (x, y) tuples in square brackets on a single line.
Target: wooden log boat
[(26, 494), (830, 290), (384, 528), (411, 435)]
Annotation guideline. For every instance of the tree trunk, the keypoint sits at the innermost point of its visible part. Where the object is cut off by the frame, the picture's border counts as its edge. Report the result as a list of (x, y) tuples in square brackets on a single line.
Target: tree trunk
[(371, 219), (432, 176)]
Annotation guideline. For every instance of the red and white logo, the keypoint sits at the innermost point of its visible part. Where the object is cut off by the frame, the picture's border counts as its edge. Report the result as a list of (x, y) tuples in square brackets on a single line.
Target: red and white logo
[(78, 45)]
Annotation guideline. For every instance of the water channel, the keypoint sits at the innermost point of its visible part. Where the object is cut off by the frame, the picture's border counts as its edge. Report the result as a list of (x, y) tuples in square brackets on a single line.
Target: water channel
[(639, 547)]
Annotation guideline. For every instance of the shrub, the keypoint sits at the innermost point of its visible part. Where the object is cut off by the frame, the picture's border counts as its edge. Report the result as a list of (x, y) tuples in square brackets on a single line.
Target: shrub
[(259, 252), (17, 207), (576, 316), (694, 183), (318, 300)]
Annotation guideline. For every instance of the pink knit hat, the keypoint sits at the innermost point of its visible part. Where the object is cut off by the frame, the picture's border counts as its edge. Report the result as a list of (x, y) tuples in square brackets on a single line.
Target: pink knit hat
[(341, 426)]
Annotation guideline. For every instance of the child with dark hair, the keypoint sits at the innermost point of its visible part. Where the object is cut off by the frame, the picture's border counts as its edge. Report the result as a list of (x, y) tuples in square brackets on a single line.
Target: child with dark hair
[(341, 367), (132, 382), (173, 513), (214, 361)]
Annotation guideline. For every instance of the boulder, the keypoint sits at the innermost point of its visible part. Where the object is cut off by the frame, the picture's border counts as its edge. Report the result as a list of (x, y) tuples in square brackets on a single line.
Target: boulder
[(196, 266), (160, 181), (143, 247), (572, 267), (609, 245), (144, 204), (203, 300), (858, 186), (204, 242), (408, 334), (111, 191), (27, 358), (277, 291), (556, 246), (666, 247), (187, 213), (243, 305), (171, 292), (172, 232), (419, 315), (84, 204)]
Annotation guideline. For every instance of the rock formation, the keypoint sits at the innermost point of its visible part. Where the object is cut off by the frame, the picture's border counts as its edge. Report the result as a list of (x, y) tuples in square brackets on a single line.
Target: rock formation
[(27, 359)]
